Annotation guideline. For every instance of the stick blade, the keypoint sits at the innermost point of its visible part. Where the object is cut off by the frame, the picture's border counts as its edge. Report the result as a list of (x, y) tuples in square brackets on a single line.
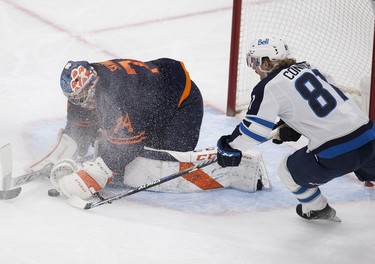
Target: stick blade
[(10, 194)]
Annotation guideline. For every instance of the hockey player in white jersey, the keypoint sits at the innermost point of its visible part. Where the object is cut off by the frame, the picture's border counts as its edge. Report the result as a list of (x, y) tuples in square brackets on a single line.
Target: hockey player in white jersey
[(340, 136)]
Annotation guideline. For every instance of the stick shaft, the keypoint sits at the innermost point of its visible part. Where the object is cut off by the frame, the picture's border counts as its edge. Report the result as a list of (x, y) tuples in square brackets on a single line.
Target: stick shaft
[(150, 184)]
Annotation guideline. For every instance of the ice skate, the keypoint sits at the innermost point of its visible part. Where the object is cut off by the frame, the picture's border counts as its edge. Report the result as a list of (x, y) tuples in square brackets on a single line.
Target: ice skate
[(328, 213)]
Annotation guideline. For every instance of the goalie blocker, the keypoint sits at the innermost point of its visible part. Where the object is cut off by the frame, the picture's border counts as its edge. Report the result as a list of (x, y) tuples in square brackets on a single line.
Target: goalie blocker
[(249, 176)]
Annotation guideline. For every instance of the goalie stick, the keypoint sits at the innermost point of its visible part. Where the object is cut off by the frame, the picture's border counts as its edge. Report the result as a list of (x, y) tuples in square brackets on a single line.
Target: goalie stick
[(6, 168), (32, 176), (7, 181), (77, 202), (40, 174)]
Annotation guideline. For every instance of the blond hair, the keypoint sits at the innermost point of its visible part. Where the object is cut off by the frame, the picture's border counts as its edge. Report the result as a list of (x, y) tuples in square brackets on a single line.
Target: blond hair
[(285, 63)]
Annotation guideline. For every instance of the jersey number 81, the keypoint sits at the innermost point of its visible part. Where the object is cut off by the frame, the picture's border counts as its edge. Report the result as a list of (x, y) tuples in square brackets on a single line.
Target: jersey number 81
[(311, 88)]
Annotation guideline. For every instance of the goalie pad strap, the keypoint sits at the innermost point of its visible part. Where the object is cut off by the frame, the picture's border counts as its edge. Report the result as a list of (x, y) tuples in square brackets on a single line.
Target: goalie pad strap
[(170, 155)]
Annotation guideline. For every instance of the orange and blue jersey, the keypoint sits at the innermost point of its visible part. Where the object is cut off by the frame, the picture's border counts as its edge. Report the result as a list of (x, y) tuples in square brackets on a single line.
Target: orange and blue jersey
[(152, 103)]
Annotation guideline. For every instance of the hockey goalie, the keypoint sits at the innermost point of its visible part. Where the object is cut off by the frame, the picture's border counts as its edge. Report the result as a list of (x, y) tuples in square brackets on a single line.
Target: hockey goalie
[(145, 118)]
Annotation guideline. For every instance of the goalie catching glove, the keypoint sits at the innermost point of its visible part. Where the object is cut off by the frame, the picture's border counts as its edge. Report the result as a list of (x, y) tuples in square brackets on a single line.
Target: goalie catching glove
[(65, 148), (92, 177)]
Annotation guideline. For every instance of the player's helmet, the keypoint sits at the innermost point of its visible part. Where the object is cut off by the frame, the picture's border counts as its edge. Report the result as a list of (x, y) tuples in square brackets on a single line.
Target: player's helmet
[(274, 48), (77, 82)]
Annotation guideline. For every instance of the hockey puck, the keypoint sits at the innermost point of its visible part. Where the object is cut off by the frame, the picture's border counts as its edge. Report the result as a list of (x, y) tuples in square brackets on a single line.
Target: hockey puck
[(53, 192)]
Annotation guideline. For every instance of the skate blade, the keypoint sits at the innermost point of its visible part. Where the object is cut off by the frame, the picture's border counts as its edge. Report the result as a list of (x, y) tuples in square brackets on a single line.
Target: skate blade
[(335, 219)]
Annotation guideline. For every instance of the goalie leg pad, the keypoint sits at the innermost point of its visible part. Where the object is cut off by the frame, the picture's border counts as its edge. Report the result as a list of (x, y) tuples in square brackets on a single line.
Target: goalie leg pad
[(142, 170), (251, 170), (244, 177)]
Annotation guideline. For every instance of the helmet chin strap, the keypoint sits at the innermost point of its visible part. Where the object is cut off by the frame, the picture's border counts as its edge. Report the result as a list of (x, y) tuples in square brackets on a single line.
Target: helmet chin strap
[(267, 71), (264, 71)]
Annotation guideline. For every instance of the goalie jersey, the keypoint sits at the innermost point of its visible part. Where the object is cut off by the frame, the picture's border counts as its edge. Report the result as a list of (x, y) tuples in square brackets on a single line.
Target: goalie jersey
[(310, 104), (138, 104)]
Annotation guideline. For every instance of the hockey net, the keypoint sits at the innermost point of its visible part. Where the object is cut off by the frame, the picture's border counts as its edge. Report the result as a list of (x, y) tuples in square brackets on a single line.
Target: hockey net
[(337, 36)]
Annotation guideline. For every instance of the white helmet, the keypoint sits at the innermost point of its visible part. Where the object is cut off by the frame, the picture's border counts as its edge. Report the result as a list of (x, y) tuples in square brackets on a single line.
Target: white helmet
[(274, 48)]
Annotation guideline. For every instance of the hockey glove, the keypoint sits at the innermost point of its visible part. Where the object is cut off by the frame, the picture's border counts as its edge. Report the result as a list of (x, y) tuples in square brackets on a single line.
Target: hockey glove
[(285, 133), (93, 177), (227, 156), (61, 170)]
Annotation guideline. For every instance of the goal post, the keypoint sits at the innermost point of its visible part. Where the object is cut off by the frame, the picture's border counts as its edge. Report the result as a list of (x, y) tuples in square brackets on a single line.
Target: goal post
[(372, 90), (234, 57), (337, 36)]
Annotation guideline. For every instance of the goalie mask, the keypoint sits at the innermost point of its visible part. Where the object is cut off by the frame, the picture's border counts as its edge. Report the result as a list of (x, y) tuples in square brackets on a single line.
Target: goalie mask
[(77, 82), (273, 48)]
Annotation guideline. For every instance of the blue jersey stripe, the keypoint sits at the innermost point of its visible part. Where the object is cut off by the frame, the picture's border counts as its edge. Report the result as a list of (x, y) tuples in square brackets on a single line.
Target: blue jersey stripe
[(250, 134), (350, 145), (261, 121)]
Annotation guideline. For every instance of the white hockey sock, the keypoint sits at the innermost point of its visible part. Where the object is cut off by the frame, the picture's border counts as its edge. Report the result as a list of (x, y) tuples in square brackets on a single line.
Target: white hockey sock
[(310, 198)]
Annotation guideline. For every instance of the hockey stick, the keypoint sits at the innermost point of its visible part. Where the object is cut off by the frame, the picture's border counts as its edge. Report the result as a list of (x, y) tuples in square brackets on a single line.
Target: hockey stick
[(6, 168), (7, 181), (32, 176), (40, 174), (75, 201)]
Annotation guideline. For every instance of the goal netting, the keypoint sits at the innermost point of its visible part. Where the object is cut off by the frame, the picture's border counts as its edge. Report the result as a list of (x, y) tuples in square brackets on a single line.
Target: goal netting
[(335, 35)]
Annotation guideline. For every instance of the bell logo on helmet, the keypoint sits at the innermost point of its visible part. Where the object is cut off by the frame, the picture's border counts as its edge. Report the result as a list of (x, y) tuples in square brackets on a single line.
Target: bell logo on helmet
[(263, 41)]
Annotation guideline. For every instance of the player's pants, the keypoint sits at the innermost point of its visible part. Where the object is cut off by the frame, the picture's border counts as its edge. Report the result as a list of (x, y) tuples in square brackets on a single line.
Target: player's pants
[(309, 171)]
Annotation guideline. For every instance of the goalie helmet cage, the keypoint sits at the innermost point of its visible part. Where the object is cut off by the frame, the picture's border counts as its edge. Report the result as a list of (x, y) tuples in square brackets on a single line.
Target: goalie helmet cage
[(337, 36)]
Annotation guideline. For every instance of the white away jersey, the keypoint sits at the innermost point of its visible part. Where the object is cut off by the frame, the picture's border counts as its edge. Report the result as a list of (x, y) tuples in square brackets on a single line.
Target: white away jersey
[(301, 96)]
